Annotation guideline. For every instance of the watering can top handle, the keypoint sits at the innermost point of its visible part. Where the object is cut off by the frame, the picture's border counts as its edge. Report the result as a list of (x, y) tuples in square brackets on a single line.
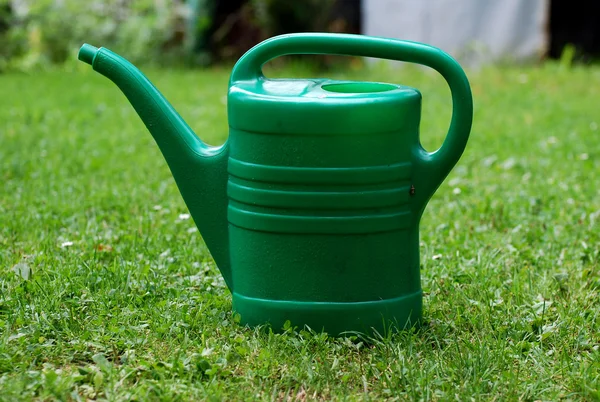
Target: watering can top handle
[(433, 165)]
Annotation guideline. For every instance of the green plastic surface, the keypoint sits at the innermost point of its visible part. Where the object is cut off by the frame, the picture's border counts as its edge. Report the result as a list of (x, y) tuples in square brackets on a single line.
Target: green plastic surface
[(311, 208)]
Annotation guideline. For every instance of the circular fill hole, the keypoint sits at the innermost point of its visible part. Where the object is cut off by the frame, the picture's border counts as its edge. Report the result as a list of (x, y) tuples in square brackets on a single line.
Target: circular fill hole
[(358, 87)]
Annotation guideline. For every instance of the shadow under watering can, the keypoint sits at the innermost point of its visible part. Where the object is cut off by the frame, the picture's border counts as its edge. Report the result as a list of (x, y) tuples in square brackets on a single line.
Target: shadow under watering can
[(311, 208)]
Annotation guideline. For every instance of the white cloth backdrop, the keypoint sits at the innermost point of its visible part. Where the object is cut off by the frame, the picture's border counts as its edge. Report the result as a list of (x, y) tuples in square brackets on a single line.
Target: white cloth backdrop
[(474, 31)]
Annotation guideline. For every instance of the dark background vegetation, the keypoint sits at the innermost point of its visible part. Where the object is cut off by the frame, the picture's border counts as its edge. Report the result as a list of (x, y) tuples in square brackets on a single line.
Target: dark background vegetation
[(172, 32)]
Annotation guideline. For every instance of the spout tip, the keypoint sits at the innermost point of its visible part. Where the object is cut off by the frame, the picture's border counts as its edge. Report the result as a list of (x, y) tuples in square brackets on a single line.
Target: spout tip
[(87, 53)]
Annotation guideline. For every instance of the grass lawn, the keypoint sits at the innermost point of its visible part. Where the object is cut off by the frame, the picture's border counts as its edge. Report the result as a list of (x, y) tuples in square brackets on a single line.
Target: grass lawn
[(108, 292)]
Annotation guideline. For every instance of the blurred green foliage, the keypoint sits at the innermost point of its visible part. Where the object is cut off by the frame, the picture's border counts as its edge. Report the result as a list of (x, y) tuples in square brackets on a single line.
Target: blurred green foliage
[(42, 32)]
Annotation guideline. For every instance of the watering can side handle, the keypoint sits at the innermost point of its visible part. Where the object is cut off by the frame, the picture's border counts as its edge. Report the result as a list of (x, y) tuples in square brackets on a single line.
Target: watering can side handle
[(431, 168)]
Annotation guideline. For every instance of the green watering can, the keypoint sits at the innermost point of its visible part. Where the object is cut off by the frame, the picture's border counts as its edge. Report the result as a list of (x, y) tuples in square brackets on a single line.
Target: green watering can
[(311, 208)]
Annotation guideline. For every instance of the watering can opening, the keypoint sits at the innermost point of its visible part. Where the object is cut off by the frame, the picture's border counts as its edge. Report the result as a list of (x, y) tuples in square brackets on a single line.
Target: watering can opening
[(359, 87)]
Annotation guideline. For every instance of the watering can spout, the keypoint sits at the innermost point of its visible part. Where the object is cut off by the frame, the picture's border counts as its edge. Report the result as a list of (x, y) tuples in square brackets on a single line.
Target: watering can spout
[(87, 53), (200, 171)]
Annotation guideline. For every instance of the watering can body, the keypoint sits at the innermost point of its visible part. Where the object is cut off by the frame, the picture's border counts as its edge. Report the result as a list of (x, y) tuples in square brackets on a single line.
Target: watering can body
[(311, 208)]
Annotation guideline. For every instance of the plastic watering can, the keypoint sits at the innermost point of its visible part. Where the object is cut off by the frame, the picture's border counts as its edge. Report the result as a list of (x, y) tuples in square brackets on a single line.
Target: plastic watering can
[(311, 208)]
